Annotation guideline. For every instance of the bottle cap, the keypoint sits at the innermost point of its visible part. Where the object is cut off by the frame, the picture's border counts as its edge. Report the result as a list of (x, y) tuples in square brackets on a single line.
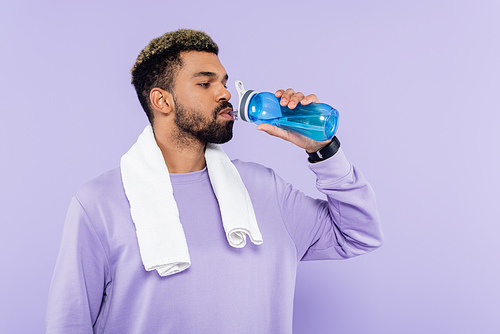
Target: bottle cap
[(245, 97)]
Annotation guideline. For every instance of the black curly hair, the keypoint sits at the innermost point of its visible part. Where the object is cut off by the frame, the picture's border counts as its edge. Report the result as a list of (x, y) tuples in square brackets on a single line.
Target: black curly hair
[(158, 63)]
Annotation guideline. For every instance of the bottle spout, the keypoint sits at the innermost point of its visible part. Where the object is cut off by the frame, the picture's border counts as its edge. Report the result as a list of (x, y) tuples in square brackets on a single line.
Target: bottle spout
[(234, 113), (245, 96)]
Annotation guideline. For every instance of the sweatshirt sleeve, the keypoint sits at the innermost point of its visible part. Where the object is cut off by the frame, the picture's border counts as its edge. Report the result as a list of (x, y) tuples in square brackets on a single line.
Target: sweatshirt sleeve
[(345, 225), (80, 276)]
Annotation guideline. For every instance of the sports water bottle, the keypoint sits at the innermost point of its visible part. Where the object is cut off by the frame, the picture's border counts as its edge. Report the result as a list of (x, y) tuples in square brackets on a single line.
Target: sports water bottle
[(317, 121)]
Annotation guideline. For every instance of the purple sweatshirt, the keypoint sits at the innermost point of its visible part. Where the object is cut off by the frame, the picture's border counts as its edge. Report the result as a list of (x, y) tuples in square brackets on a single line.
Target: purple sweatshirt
[(100, 284)]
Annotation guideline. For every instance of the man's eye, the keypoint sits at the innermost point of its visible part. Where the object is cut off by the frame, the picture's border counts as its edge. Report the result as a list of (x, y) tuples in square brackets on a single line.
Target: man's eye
[(204, 84)]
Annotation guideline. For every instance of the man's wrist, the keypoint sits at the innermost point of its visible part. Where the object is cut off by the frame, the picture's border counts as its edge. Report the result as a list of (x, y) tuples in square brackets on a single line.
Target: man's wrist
[(325, 152)]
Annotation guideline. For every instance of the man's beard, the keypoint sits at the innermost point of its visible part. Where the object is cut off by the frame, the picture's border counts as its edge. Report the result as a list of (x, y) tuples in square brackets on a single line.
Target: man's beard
[(193, 123)]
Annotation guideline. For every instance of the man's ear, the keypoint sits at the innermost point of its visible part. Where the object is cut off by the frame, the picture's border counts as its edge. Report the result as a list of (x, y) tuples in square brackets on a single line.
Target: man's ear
[(161, 101)]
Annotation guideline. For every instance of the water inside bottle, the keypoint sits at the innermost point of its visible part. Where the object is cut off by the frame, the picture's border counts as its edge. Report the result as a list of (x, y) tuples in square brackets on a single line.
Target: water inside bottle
[(317, 128)]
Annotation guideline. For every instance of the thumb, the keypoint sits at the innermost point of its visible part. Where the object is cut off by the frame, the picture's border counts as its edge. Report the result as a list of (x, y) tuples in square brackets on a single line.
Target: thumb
[(274, 131)]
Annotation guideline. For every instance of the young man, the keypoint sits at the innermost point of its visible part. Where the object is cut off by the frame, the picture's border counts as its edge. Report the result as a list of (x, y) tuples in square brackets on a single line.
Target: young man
[(159, 244)]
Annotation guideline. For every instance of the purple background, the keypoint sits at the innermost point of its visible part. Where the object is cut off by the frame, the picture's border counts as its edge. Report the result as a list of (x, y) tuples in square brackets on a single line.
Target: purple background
[(417, 86)]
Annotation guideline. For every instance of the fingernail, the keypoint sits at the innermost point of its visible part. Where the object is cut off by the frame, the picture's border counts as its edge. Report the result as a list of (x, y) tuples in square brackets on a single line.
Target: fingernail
[(284, 102)]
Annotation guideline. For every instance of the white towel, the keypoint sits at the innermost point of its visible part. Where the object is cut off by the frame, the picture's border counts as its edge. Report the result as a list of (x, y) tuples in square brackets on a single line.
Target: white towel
[(147, 185)]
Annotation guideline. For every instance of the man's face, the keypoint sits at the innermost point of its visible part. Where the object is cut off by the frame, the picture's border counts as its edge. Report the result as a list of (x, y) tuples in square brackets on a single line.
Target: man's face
[(201, 100)]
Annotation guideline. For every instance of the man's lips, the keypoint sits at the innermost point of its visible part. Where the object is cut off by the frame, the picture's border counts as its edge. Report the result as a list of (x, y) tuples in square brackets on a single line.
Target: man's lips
[(227, 113)]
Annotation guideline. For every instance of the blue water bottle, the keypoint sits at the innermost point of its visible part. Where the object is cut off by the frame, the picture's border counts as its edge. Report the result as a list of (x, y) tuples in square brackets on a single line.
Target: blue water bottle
[(318, 121)]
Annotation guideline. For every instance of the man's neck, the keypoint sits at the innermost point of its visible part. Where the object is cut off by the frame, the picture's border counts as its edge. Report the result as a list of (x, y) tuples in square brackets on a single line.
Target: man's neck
[(181, 154)]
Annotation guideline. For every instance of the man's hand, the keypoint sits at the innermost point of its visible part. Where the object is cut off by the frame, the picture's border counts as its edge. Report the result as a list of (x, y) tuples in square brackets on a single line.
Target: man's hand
[(291, 99)]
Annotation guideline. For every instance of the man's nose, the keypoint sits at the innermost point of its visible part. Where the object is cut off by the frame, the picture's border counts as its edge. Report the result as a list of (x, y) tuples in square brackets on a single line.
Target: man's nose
[(223, 94)]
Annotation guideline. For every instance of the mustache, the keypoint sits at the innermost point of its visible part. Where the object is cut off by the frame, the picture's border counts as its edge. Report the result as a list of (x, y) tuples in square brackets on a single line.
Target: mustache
[(222, 106)]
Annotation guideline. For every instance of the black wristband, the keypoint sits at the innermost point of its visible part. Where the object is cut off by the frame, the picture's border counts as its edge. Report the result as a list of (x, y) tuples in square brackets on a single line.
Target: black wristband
[(326, 152)]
